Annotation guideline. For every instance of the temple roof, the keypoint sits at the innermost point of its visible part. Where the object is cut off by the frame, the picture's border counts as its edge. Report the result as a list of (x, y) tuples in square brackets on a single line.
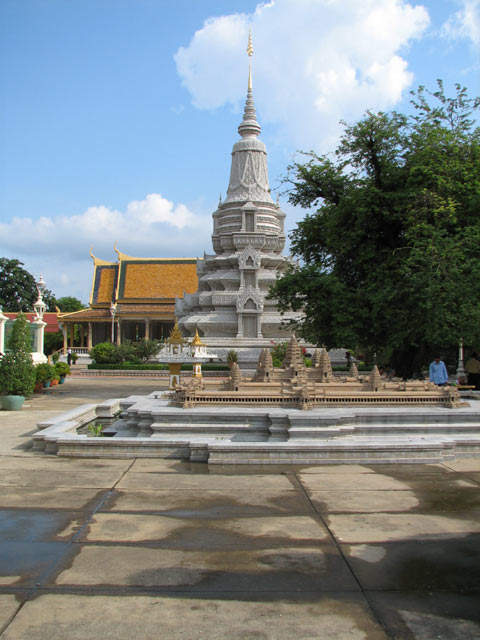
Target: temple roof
[(138, 280), (156, 279), (145, 286)]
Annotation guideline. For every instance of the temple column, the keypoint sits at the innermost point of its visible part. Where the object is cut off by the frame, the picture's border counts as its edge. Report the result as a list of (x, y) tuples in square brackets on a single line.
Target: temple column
[(65, 339), (89, 336), (3, 320), (240, 326), (119, 333), (147, 328)]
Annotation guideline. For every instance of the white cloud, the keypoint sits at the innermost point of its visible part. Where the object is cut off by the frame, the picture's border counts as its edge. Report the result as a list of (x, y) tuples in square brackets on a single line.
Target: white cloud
[(59, 247), (315, 62), (465, 23)]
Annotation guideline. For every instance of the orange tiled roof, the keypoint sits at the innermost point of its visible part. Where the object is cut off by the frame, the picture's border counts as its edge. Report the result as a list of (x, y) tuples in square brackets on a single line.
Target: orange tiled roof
[(164, 309), (156, 279), (86, 314), (106, 285)]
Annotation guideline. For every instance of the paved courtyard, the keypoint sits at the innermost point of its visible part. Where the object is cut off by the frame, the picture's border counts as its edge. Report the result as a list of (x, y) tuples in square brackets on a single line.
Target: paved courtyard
[(151, 548)]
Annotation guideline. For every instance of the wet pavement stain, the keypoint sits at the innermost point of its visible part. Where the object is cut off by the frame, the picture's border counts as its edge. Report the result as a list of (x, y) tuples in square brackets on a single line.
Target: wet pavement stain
[(213, 505), (29, 544), (428, 615), (31, 525), (428, 565), (24, 563)]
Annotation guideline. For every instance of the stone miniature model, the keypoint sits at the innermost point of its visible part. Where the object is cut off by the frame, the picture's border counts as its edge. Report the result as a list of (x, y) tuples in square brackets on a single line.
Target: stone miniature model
[(297, 386), (230, 309)]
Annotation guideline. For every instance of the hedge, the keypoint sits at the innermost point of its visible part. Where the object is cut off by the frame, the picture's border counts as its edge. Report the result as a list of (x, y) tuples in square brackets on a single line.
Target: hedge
[(155, 367)]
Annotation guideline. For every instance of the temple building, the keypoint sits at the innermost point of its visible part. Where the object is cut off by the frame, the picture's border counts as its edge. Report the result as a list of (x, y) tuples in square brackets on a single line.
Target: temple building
[(131, 299), (230, 308)]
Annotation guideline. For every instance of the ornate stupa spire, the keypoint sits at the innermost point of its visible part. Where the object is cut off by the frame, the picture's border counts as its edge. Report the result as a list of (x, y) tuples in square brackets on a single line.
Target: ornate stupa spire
[(249, 126)]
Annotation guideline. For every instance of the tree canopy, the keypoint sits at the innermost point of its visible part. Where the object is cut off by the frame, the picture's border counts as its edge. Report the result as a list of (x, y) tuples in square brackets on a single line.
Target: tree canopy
[(69, 303), (18, 291), (388, 262)]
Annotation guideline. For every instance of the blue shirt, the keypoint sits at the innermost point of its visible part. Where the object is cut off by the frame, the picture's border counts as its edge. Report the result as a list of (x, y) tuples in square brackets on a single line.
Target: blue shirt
[(438, 372)]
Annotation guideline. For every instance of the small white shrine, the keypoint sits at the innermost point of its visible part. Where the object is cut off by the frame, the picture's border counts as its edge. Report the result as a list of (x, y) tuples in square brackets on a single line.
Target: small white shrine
[(178, 351)]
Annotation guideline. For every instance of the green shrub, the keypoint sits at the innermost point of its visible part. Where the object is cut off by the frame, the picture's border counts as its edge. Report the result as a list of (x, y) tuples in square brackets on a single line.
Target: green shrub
[(232, 356), (17, 372), (62, 369), (20, 337), (128, 366), (55, 357), (104, 353), (131, 366), (145, 350), (95, 430), (279, 351), (126, 352), (44, 372)]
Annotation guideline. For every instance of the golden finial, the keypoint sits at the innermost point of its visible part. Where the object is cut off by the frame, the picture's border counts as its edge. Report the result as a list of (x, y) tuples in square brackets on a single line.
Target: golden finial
[(175, 334), (196, 342), (250, 53), (91, 253)]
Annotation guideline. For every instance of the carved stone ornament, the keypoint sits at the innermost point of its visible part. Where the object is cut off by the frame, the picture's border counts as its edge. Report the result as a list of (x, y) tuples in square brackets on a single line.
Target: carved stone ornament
[(250, 294), (249, 258)]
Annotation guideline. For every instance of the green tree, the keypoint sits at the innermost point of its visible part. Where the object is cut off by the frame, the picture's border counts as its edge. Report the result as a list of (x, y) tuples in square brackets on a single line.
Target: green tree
[(389, 260), (17, 372), (18, 291), (69, 304)]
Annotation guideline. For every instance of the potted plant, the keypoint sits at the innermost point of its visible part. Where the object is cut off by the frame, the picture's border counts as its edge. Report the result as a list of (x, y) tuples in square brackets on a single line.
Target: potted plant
[(232, 358), (55, 357), (74, 357), (17, 372), (63, 370), (44, 373)]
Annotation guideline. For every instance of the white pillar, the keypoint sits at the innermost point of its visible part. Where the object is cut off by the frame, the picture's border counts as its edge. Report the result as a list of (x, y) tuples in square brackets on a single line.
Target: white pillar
[(3, 320), (39, 327), (461, 373)]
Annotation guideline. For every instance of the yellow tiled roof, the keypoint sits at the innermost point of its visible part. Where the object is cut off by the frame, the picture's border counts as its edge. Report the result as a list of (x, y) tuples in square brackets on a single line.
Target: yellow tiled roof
[(154, 280), (106, 285)]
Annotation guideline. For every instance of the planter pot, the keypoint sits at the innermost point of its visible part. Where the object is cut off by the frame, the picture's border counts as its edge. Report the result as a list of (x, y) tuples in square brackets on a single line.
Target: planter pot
[(54, 382), (62, 380), (12, 403), (38, 386), (46, 384)]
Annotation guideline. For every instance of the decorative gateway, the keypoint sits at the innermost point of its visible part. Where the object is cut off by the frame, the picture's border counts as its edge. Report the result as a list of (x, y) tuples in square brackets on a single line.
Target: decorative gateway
[(297, 386)]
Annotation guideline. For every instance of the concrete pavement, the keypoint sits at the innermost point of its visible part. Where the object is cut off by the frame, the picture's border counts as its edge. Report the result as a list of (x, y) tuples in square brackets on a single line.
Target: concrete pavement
[(165, 549)]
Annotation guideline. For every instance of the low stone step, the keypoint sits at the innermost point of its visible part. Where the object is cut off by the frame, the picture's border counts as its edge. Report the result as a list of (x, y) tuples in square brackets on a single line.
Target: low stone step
[(307, 433), (329, 453)]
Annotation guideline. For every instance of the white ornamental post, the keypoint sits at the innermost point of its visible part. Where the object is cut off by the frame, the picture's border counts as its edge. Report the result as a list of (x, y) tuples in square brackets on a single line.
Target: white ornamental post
[(39, 308), (461, 373), (3, 320)]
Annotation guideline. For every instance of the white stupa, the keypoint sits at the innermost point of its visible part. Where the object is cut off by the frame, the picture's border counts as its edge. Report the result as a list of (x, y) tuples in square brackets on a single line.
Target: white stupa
[(230, 309)]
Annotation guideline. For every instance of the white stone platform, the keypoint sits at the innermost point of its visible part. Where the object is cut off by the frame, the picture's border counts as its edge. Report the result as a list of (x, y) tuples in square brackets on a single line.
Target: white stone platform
[(149, 427)]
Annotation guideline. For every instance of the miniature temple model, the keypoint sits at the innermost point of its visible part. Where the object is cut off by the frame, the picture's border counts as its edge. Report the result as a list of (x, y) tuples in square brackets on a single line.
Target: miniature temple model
[(297, 386)]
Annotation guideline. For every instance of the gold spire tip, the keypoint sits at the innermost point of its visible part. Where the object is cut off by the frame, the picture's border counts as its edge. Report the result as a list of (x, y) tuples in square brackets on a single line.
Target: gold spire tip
[(250, 45), (250, 53)]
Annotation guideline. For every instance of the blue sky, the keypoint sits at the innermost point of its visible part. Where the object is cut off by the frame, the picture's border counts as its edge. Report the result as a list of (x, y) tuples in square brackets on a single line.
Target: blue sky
[(117, 117)]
